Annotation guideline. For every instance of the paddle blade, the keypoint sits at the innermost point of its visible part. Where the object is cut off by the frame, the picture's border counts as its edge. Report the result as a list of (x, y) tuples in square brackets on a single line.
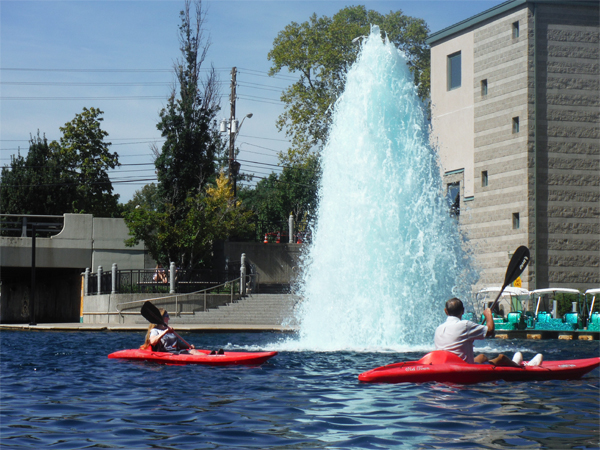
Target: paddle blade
[(517, 265), (152, 314)]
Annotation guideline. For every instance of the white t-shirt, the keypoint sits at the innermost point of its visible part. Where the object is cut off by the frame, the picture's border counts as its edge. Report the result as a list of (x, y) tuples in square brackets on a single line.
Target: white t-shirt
[(457, 336)]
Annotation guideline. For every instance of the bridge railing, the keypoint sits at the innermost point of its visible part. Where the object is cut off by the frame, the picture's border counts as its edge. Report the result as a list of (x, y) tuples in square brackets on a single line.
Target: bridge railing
[(19, 225)]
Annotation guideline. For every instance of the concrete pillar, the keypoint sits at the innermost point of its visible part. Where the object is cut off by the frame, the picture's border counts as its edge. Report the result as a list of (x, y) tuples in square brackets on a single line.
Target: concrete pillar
[(291, 227), (555, 309), (243, 275), (114, 279), (99, 280), (172, 273), (24, 228), (86, 284), (574, 306)]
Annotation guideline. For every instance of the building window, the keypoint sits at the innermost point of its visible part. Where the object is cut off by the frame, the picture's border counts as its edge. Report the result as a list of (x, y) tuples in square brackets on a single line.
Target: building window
[(515, 30), (454, 78), (484, 178), (483, 88), (516, 221), (453, 197), (515, 125)]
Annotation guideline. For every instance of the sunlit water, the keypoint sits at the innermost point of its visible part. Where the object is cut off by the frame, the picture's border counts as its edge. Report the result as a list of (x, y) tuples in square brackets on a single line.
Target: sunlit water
[(60, 391), (386, 254)]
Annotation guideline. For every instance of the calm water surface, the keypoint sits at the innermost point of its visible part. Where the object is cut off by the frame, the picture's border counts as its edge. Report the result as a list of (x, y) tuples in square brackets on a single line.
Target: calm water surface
[(60, 391)]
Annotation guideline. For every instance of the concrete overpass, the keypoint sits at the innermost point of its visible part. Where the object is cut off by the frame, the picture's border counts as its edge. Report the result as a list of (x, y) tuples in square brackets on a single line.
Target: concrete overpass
[(67, 245), (80, 241)]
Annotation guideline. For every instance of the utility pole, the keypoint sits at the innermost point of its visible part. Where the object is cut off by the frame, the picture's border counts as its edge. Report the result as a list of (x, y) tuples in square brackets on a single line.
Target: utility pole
[(232, 134)]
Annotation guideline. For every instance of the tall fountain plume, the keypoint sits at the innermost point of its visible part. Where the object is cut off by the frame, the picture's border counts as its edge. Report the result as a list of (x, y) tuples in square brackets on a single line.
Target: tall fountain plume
[(385, 254)]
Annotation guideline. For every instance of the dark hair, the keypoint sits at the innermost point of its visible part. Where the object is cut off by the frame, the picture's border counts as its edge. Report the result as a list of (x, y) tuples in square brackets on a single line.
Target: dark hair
[(455, 307)]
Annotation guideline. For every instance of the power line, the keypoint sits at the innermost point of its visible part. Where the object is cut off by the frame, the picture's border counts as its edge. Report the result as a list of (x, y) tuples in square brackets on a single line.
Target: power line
[(131, 97)]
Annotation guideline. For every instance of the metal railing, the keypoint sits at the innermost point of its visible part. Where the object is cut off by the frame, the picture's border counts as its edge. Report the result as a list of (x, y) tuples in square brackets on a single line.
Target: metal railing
[(148, 281), (231, 286), (18, 225)]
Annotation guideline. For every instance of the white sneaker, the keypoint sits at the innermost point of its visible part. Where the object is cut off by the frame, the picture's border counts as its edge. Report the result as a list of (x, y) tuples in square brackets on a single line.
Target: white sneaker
[(518, 358), (536, 361)]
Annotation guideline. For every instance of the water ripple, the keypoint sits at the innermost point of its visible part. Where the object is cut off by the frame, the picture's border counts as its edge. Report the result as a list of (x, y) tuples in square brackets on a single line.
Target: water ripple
[(80, 399)]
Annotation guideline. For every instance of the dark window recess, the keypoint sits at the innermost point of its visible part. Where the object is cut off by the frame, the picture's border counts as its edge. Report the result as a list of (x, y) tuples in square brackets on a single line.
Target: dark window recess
[(516, 221), (454, 71), (453, 197)]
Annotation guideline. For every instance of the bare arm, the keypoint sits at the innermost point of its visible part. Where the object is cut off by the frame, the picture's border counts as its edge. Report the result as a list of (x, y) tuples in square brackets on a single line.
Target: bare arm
[(157, 337), (489, 322)]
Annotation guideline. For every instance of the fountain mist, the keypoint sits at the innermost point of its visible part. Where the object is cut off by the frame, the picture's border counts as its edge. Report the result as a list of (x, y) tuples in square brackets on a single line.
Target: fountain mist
[(386, 254)]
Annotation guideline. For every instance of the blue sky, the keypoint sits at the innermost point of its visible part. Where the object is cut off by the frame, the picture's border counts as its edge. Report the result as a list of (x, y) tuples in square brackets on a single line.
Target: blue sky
[(118, 55)]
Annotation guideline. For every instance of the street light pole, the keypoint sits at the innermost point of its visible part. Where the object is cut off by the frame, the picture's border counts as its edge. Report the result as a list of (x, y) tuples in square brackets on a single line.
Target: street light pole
[(232, 135)]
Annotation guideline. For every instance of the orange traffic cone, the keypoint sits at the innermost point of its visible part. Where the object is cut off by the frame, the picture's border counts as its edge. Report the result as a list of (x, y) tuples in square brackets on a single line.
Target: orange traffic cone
[(266, 239)]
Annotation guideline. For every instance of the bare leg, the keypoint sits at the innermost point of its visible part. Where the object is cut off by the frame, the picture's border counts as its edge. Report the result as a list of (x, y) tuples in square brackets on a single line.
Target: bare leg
[(504, 361), (481, 359)]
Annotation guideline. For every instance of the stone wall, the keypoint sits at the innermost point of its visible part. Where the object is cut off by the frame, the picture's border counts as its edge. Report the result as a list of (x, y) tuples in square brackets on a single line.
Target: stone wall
[(275, 264), (502, 60), (548, 172), (125, 308), (568, 145)]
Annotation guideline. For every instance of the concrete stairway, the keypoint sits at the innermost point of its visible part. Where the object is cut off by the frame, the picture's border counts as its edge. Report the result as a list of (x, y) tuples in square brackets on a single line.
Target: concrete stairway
[(255, 309)]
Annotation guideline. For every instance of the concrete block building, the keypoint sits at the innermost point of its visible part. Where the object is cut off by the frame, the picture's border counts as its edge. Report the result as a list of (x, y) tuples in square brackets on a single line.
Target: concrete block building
[(515, 115)]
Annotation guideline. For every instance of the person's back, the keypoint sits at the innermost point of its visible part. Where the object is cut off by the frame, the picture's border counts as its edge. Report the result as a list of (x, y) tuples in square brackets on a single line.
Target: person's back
[(456, 335)]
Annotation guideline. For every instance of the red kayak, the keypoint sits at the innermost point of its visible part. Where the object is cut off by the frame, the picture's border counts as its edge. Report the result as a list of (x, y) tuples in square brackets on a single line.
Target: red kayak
[(226, 359), (443, 366)]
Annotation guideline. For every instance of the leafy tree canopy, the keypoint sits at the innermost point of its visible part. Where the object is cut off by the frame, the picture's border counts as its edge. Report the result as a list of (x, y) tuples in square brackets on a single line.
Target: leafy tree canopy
[(180, 218), (187, 160), (293, 191), (320, 50), (70, 176), (211, 215), (84, 153)]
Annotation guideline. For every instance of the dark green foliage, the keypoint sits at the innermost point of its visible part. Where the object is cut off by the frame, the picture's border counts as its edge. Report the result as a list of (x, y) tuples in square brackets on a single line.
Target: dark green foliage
[(187, 159), (85, 155), (293, 191), (181, 217), (66, 177), (37, 183)]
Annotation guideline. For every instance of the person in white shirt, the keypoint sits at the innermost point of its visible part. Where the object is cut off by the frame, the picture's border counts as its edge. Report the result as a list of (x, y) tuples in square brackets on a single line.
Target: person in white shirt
[(457, 336)]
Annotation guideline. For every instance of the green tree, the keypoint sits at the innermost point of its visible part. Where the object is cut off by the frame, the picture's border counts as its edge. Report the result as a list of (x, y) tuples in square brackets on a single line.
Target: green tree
[(146, 197), (320, 50), (293, 191), (35, 184), (181, 219), (70, 176), (211, 215), (187, 159), (86, 157)]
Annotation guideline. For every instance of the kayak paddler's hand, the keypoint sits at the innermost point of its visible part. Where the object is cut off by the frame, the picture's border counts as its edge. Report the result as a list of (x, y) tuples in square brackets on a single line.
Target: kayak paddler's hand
[(489, 321)]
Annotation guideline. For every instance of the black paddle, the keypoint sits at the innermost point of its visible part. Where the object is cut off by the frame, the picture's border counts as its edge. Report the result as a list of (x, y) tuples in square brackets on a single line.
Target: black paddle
[(153, 315), (516, 266)]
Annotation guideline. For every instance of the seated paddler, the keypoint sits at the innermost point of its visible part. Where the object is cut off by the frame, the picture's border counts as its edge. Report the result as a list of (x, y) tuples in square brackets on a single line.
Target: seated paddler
[(457, 336), (162, 338)]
